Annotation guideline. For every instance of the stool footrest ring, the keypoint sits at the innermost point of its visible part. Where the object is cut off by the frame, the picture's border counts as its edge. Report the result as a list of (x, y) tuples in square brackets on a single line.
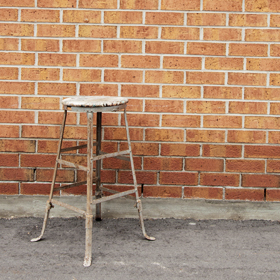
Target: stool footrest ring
[(113, 196)]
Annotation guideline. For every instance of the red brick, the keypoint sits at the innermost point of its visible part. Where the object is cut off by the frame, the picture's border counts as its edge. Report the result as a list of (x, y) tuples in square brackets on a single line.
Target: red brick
[(40, 15), (8, 14), (206, 107), (135, 105), (135, 61), (37, 188), (262, 93), (125, 76), (180, 150), (48, 74), (219, 179), (273, 166), (180, 5), (237, 136), (28, 160), (224, 63), (222, 92), (247, 107), (158, 47), (82, 75), (262, 6), (248, 49), (143, 177), (180, 33), (98, 4), (179, 62), (243, 194), (46, 146), (202, 48), (172, 106), (11, 160), (9, 188), (228, 151), (46, 175), (41, 103), (98, 60), (76, 132), (99, 89), (9, 44), (97, 31), (81, 16), (180, 120), (81, 45), (140, 90), (44, 45), (139, 4), (226, 5), (205, 136), (120, 134), (244, 166), (249, 79), (17, 117), (9, 102), (16, 174), (273, 137), (206, 19), (272, 195), (202, 192), (262, 122), (162, 163), (52, 30), (204, 164), (51, 59), (8, 73), (222, 121), (166, 77), (107, 119), (16, 29), (39, 131), (267, 35), (9, 131), (262, 151), (17, 3), (264, 181), (222, 34), (142, 120), (162, 191), (55, 118), (216, 78), (247, 20), (166, 135), (122, 46), (56, 89), (178, 178), (181, 91), (158, 18), (142, 149), (27, 146)]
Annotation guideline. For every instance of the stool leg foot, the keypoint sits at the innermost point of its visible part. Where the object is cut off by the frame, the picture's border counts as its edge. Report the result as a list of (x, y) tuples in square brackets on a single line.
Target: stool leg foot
[(88, 251)]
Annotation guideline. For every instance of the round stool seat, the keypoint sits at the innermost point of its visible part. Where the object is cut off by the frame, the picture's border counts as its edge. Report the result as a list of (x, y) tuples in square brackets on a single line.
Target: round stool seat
[(94, 101)]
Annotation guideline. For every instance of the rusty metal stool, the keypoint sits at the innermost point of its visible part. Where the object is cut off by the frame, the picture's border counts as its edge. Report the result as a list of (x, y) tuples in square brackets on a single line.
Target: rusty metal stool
[(90, 105)]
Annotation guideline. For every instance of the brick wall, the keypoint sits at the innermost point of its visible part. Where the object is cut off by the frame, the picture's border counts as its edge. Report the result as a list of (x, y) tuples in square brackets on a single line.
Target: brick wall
[(202, 77)]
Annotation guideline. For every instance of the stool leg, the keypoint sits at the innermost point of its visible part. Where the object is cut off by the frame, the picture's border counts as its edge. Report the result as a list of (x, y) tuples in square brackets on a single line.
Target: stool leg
[(89, 216), (138, 201), (49, 204), (98, 193)]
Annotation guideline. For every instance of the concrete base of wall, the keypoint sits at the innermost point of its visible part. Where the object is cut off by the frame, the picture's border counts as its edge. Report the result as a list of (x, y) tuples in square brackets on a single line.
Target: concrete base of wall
[(153, 208)]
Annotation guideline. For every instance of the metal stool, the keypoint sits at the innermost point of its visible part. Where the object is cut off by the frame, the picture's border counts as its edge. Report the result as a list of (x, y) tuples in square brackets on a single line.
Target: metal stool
[(90, 105)]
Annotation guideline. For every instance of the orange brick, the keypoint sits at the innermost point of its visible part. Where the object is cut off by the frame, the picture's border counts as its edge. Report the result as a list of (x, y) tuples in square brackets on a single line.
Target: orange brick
[(199, 164), (122, 46), (51, 59), (135, 105), (37, 188), (180, 120), (165, 77), (12, 58), (191, 150), (81, 46), (8, 14), (143, 177), (11, 160), (40, 45), (262, 151), (226, 5), (245, 166), (201, 192), (56, 89), (263, 64), (46, 175), (17, 117), (206, 19), (99, 89), (16, 29), (262, 6), (125, 76), (164, 47), (8, 73), (29, 160), (9, 44), (17, 174), (180, 33), (135, 61), (139, 32), (8, 131), (243, 194), (223, 63), (205, 136), (235, 136), (228, 151), (9, 188), (17, 3), (48, 74), (262, 122), (165, 135), (206, 107), (162, 191), (55, 118), (82, 75), (119, 133), (39, 131), (248, 49), (247, 20), (180, 5), (40, 15), (98, 4), (9, 102), (178, 178), (223, 92), (81, 16), (142, 149), (178, 62), (219, 179), (97, 31), (56, 3), (76, 132), (58, 30), (140, 90), (142, 120), (201, 48), (107, 119), (98, 60), (216, 78), (139, 5), (222, 34), (181, 91), (274, 50), (271, 181), (222, 121), (248, 107), (272, 195), (40, 103), (51, 146), (162, 163), (27, 146), (274, 108), (274, 79), (267, 35), (273, 166), (122, 17), (273, 137), (158, 18), (262, 93), (249, 79)]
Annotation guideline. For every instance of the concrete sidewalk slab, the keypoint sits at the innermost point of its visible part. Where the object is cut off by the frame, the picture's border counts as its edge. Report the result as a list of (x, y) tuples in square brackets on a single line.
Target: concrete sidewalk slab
[(153, 208)]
